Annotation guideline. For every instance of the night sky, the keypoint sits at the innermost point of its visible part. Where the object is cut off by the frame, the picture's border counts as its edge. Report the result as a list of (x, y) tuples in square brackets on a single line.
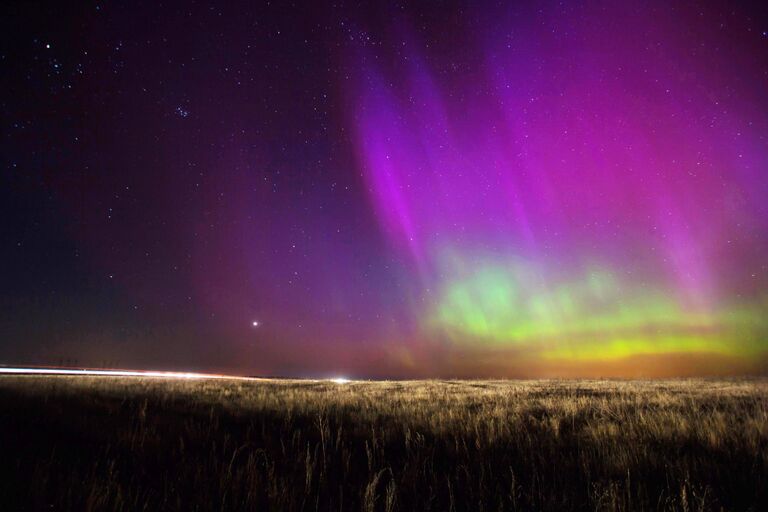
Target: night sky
[(454, 189)]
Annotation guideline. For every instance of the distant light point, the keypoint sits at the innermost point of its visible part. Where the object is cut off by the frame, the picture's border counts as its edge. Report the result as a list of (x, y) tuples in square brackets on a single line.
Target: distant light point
[(255, 323), (340, 380)]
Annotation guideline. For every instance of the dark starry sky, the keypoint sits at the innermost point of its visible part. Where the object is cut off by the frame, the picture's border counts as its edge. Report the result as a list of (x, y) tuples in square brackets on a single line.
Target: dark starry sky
[(157, 155)]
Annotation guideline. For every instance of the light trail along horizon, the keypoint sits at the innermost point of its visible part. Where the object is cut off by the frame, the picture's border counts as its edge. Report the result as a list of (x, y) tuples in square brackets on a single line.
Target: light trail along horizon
[(52, 370)]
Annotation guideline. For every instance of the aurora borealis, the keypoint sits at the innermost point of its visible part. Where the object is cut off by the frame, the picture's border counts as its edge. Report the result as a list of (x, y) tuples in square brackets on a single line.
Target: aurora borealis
[(574, 192), (375, 190)]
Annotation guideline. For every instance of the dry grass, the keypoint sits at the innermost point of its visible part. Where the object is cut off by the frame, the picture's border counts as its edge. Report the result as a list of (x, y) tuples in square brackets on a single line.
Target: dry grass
[(91, 443)]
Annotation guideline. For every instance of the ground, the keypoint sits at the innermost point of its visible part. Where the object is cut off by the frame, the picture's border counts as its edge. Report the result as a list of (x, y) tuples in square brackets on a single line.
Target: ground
[(107, 443)]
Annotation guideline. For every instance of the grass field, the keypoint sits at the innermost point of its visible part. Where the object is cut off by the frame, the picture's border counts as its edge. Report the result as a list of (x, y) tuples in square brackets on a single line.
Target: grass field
[(105, 443)]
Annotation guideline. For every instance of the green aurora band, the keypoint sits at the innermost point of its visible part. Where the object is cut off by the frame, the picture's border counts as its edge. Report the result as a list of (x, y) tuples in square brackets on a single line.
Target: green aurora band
[(597, 315)]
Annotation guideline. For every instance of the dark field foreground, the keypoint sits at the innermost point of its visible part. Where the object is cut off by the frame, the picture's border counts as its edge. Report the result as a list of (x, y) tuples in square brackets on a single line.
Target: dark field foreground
[(105, 443)]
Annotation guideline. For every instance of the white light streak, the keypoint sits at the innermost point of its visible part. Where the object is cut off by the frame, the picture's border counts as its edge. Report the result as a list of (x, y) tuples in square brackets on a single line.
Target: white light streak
[(340, 380), (116, 373)]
